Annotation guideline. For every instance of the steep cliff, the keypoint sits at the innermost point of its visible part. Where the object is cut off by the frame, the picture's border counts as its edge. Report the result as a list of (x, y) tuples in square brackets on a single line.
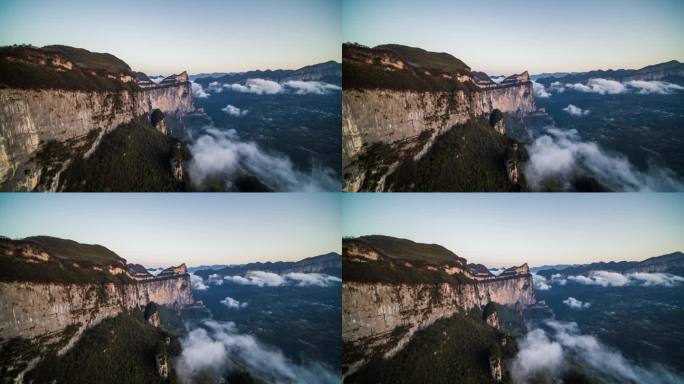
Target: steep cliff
[(49, 285), (36, 115), (380, 317), (427, 97)]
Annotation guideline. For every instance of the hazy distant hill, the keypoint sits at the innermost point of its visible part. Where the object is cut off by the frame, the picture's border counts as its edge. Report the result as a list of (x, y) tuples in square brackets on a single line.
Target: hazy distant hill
[(329, 72), (671, 71), (329, 263), (669, 263)]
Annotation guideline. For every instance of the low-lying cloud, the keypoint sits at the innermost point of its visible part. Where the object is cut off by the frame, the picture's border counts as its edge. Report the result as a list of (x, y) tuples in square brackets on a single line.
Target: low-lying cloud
[(547, 353), (234, 111), (559, 156), (198, 91), (311, 87), (540, 282), (216, 347), (539, 90), (610, 87), (576, 304), (576, 111), (233, 304), (648, 87), (222, 153), (257, 86), (197, 283), (270, 279), (614, 279)]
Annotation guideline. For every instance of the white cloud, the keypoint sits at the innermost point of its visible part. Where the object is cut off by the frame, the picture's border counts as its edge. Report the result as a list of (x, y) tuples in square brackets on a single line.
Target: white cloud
[(544, 355), (157, 79), (576, 304), (497, 79), (197, 283), (600, 86), (259, 278), (232, 303), (315, 87), (214, 279), (576, 111), (540, 282), (269, 279), (213, 349), (557, 278), (497, 271), (539, 90), (560, 155), (223, 153), (234, 111), (614, 279), (648, 87), (312, 279), (198, 91), (537, 356), (215, 87), (258, 86), (556, 86)]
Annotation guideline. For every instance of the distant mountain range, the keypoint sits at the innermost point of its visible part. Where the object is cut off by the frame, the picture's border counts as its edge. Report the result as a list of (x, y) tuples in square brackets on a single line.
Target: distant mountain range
[(328, 72), (671, 71), (329, 263), (670, 263)]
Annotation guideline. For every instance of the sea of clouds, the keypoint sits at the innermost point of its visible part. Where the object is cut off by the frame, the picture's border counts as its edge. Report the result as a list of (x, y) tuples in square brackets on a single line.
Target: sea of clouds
[(215, 347), (267, 87), (268, 279), (608, 87), (222, 152), (560, 154), (610, 279), (546, 353)]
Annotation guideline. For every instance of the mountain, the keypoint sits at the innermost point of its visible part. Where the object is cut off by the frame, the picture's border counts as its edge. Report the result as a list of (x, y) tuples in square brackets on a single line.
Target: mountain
[(669, 263), (407, 303), (329, 72), (415, 120), (671, 71), (329, 263), (58, 295), (62, 104)]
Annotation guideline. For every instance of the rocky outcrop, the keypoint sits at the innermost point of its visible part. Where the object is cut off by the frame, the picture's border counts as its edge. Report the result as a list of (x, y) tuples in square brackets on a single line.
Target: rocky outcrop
[(29, 309), (373, 312), (29, 119)]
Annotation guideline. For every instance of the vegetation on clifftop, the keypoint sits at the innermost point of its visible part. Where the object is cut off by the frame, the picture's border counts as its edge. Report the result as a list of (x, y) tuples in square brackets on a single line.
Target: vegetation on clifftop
[(52, 260), (28, 67)]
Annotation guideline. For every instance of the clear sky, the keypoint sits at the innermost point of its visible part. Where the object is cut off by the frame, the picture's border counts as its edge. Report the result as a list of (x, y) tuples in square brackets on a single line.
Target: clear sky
[(509, 229), (504, 37), (168, 36), (164, 229)]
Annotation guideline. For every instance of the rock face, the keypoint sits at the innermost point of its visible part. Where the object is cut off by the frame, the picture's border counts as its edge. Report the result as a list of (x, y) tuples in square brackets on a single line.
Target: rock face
[(31, 118), (29, 309), (372, 312), (495, 367)]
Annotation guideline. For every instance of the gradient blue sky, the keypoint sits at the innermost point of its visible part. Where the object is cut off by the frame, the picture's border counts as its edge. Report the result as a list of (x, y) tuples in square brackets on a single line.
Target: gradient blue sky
[(509, 229), (504, 37), (169, 36), (166, 229)]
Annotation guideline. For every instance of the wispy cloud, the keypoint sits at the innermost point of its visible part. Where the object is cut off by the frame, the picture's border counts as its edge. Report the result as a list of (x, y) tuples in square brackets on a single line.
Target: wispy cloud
[(540, 282), (600, 86), (614, 279), (613, 87), (576, 111), (539, 90), (258, 86), (545, 354), (270, 279), (233, 304), (197, 283), (222, 153), (198, 91), (214, 348), (560, 155), (660, 87), (234, 111), (576, 304), (311, 87)]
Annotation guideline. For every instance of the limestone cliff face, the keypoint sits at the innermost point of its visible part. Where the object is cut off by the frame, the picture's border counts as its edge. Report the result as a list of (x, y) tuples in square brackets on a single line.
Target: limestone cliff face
[(32, 309), (373, 313), (386, 116), (31, 118)]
